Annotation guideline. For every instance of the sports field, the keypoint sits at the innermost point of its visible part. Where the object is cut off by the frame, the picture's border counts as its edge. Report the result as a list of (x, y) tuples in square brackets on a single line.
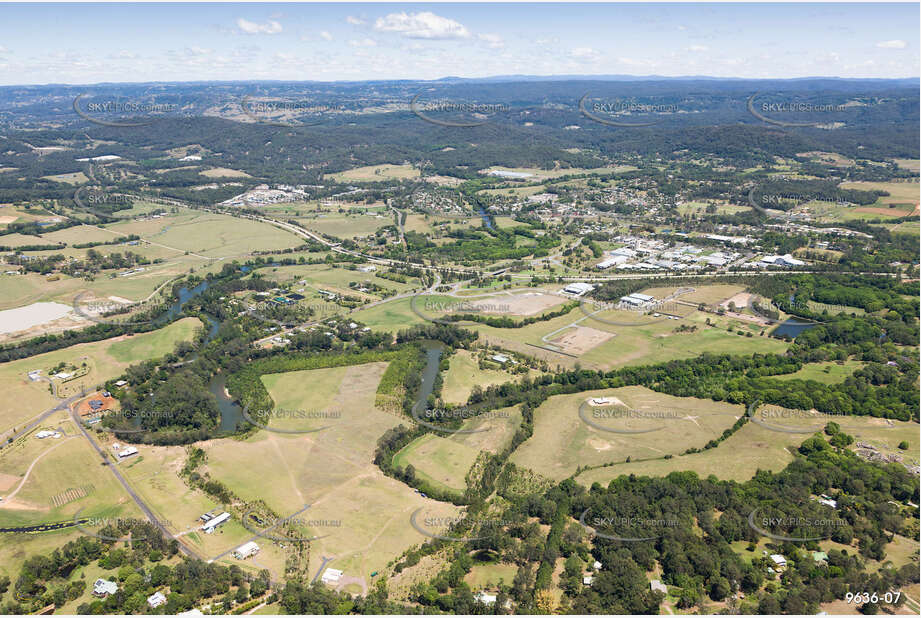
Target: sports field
[(570, 431)]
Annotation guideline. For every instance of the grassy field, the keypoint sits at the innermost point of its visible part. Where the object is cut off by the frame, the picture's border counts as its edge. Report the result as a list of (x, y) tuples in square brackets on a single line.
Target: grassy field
[(345, 225), (755, 447), (464, 373), (826, 373), (488, 576), (329, 278), (563, 441), (107, 359), (441, 461), (53, 480), (376, 173), (208, 234), (331, 470), (658, 341), (700, 209)]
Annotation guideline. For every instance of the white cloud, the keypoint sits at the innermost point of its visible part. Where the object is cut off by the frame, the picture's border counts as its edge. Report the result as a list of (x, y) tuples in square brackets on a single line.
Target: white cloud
[(355, 21), (326, 36), (425, 25), (698, 48), (363, 43), (3, 50), (251, 27), (493, 41), (682, 27), (584, 53), (893, 44)]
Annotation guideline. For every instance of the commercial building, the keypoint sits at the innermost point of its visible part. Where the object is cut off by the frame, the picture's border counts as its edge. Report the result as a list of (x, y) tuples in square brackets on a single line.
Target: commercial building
[(211, 525), (578, 289)]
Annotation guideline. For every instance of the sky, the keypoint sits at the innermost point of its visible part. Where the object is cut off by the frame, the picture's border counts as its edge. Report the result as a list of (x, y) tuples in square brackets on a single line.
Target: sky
[(92, 43)]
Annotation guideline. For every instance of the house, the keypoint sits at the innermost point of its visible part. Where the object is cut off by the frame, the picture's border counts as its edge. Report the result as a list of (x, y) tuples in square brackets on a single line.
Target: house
[(156, 599), (41, 435), (820, 557), (331, 577), (103, 588), (96, 404), (596, 565), (578, 289), (212, 524), (246, 550), (500, 358), (587, 580), (828, 502), (128, 452), (121, 383), (657, 586), (367, 268), (614, 260), (485, 598), (779, 561)]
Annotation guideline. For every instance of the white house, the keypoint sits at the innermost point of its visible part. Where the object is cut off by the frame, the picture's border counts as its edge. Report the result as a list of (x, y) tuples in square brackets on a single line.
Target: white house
[(587, 580), (103, 588), (246, 550), (331, 577), (656, 585), (128, 452), (485, 598), (778, 560), (156, 599), (596, 565)]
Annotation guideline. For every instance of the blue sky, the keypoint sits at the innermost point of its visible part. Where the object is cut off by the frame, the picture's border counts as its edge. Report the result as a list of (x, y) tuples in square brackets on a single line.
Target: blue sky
[(90, 43)]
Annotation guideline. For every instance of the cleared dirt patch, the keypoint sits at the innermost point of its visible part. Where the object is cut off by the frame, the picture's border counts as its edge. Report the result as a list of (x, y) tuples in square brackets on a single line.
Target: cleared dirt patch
[(580, 339), (530, 303)]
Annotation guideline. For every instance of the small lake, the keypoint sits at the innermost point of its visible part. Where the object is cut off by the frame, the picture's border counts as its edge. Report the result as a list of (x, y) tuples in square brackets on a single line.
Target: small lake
[(433, 351), (792, 328)]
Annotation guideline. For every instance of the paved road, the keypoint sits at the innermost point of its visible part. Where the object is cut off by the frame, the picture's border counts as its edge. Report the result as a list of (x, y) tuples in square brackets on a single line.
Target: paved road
[(38, 420), (185, 549)]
